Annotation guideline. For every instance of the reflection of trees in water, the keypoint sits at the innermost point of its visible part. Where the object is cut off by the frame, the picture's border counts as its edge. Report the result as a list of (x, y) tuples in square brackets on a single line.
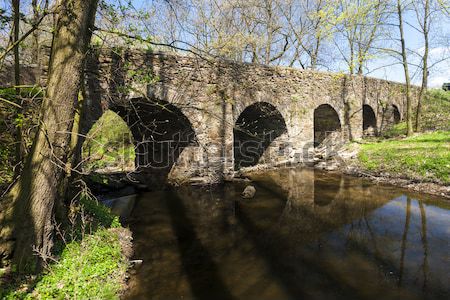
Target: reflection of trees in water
[(404, 241), (351, 214), (424, 241), (327, 189), (425, 267), (281, 236), (317, 202)]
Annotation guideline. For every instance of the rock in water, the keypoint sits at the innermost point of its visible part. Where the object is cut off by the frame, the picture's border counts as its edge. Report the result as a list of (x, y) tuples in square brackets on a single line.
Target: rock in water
[(249, 192)]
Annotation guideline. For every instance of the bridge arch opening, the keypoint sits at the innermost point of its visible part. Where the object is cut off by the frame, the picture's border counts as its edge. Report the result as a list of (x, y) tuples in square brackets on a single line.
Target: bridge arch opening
[(369, 121), (255, 130), (396, 114), (326, 124), (108, 146), (161, 132)]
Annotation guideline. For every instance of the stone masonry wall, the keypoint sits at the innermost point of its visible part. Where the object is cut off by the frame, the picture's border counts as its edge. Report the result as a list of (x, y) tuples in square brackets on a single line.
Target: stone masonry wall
[(212, 95)]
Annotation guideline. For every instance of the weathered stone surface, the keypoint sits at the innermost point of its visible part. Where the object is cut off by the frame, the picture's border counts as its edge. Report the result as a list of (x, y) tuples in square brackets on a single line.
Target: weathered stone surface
[(213, 94), (249, 192)]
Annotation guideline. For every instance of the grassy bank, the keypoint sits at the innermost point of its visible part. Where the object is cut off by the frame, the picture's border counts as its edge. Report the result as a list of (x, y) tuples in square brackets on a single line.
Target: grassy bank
[(92, 265), (109, 145), (424, 157)]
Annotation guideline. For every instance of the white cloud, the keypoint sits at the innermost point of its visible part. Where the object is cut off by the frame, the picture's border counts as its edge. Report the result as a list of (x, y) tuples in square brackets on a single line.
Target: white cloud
[(439, 59), (437, 80), (436, 52)]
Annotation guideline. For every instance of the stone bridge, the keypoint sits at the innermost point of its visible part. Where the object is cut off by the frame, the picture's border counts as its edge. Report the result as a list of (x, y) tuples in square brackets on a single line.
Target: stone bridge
[(191, 117)]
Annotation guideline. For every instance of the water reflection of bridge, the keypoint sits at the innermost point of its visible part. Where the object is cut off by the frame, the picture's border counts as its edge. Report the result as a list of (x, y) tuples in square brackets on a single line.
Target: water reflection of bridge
[(304, 235)]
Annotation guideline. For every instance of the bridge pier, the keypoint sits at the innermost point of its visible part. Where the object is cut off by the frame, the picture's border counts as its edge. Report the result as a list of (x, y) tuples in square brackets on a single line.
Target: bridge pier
[(268, 110)]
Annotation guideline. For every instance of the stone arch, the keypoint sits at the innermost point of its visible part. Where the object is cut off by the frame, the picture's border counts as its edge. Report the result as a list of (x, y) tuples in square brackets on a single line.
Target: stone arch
[(326, 123), (369, 121), (396, 116), (161, 132), (108, 145), (256, 128)]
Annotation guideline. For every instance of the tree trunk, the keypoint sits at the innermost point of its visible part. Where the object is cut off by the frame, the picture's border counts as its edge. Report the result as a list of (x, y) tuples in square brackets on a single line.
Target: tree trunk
[(406, 70), (16, 24), (36, 56), (423, 89), (404, 243), (16, 31), (34, 197)]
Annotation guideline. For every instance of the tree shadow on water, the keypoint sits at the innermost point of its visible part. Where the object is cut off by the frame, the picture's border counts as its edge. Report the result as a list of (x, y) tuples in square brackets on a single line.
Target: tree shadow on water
[(201, 270)]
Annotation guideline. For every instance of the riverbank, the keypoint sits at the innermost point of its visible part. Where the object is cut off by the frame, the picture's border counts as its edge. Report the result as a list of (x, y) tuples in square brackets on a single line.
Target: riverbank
[(91, 260), (420, 163)]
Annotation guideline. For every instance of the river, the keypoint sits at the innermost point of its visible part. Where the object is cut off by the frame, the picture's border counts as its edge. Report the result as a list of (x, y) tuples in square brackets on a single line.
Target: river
[(305, 235)]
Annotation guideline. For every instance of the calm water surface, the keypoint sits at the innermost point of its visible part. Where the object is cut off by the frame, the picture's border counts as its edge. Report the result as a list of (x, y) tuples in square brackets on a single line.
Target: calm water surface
[(305, 235)]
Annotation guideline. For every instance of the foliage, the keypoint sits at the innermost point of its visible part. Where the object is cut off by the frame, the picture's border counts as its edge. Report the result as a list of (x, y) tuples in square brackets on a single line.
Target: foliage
[(395, 131), (10, 119), (435, 115), (101, 214), (6, 159), (436, 110), (91, 266), (26, 92), (88, 269), (424, 157), (109, 144)]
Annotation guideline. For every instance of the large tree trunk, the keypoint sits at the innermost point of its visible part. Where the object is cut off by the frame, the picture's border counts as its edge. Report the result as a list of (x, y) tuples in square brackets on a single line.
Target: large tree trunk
[(406, 70), (29, 218), (16, 31)]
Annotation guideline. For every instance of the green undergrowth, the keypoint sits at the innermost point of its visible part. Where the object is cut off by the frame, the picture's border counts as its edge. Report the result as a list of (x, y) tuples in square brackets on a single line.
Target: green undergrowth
[(435, 115), (12, 118), (109, 144), (423, 157), (27, 92), (6, 159), (436, 111), (90, 266)]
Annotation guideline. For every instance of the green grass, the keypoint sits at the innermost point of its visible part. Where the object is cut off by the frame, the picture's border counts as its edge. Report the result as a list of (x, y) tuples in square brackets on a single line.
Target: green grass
[(436, 111), (27, 92), (435, 115), (90, 269), (91, 266), (424, 156), (6, 158), (395, 131), (109, 144)]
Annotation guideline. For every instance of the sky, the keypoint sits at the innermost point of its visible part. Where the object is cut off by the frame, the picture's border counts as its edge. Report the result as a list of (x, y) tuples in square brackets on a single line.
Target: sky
[(439, 49), (383, 68)]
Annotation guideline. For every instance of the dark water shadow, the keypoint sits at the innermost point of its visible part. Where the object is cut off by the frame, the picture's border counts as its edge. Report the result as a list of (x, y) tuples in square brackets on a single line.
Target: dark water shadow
[(202, 272), (294, 270)]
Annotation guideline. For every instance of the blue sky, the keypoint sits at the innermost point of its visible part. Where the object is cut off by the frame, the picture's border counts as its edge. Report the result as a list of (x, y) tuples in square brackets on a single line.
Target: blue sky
[(381, 67), (439, 49)]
